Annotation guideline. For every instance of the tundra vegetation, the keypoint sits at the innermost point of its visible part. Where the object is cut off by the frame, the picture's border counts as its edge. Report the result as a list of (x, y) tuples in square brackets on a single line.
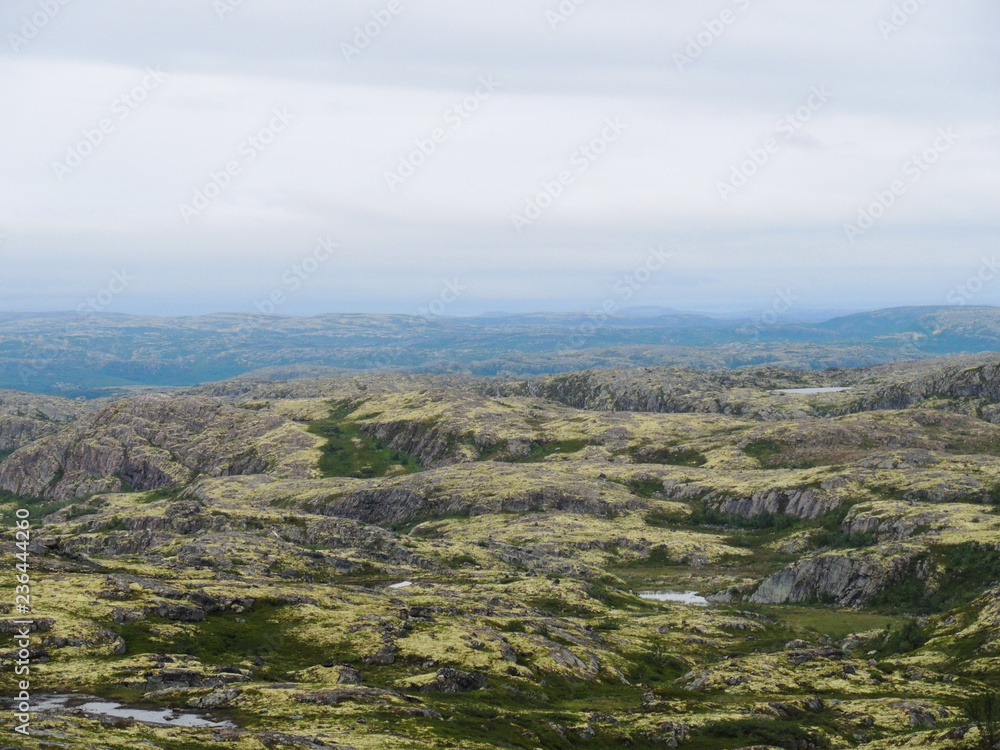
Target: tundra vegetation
[(237, 549)]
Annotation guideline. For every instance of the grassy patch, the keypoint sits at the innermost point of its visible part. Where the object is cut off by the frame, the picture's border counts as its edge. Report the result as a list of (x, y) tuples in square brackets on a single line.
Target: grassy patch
[(741, 732), (706, 515), (829, 534), (963, 572), (665, 519), (434, 526), (659, 557), (349, 452), (37, 507), (462, 561), (654, 667), (616, 598), (164, 494), (837, 623), (902, 640), (541, 451), (992, 495), (221, 640), (648, 488), (766, 452), (513, 718), (537, 451), (553, 605), (676, 457)]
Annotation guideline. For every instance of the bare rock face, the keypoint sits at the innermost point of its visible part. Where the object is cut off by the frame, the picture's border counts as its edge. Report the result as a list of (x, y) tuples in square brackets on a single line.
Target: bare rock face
[(897, 521), (979, 381), (348, 676), (806, 504), (26, 417), (44, 408), (847, 580), (16, 432), (153, 442), (526, 488), (664, 389)]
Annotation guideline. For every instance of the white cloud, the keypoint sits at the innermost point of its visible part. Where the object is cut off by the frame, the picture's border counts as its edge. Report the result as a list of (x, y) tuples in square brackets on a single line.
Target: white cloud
[(353, 122)]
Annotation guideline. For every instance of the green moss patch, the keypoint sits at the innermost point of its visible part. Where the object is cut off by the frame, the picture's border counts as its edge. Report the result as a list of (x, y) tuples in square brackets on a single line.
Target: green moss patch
[(349, 452)]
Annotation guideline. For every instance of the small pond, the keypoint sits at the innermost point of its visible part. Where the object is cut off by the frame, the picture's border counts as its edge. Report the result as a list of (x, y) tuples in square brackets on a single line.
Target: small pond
[(680, 597), (90, 704), (809, 390)]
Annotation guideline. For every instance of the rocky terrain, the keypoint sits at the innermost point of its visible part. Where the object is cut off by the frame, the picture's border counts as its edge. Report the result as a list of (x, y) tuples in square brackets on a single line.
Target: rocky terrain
[(392, 560), (26, 417), (155, 441)]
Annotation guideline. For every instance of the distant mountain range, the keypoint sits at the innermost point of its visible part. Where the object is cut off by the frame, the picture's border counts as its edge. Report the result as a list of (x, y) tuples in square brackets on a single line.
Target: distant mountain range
[(793, 314), (70, 354)]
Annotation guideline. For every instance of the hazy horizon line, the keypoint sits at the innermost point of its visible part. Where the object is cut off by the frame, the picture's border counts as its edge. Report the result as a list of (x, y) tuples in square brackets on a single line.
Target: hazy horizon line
[(638, 311)]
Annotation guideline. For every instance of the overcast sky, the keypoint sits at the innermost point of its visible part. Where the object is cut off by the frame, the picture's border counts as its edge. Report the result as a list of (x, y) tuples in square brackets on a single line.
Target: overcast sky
[(843, 153)]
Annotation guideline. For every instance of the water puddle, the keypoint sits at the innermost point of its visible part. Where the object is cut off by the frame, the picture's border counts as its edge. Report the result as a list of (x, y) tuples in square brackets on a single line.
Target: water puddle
[(809, 390), (686, 597), (90, 704), (401, 585)]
